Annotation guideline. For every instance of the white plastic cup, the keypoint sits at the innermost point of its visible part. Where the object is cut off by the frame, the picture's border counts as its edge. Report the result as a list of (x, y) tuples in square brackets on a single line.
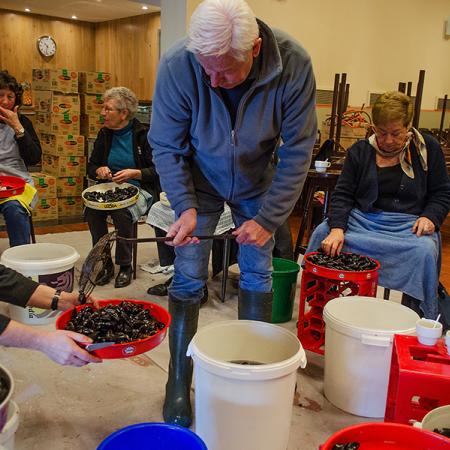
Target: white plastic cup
[(428, 331), (321, 166)]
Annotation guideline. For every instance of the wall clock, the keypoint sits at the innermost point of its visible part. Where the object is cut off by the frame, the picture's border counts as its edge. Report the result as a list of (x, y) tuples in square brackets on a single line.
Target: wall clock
[(46, 46)]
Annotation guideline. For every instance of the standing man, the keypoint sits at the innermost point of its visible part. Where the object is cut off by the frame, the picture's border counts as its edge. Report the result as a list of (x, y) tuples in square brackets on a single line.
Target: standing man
[(223, 98)]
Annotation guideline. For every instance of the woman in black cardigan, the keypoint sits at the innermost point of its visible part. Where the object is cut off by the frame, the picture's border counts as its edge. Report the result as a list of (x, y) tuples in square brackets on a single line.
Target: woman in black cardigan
[(121, 154), (389, 203)]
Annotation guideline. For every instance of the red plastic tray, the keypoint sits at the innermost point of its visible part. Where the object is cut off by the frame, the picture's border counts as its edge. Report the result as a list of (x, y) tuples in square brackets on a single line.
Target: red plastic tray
[(14, 186), (388, 436), (127, 349), (333, 274)]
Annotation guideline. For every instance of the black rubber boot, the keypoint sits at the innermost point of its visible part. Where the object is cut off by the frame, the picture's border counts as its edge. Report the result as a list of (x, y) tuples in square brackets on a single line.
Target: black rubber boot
[(177, 404), (412, 303), (255, 305)]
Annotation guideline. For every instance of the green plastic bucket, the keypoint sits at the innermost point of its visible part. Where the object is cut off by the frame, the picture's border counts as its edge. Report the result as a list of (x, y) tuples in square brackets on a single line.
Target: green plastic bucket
[(284, 277)]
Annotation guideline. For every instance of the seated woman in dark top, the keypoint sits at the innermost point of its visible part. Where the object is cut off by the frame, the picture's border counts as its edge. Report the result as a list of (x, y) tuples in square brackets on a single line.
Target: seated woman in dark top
[(389, 203), (121, 154)]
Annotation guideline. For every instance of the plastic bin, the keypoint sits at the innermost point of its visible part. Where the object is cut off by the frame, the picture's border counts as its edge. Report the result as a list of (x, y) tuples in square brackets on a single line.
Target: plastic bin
[(388, 436), (358, 349), (284, 283), (152, 436), (46, 263), (245, 374)]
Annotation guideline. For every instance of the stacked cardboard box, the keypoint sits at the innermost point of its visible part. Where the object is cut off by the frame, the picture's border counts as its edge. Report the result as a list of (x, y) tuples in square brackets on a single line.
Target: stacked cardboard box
[(58, 108), (47, 206), (92, 86)]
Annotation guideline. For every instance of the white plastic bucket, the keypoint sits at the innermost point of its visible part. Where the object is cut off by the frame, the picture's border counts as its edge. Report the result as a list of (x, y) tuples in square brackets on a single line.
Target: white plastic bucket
[(7, 436), (50, 264), (436, 418), (245, 407), (358, 349)]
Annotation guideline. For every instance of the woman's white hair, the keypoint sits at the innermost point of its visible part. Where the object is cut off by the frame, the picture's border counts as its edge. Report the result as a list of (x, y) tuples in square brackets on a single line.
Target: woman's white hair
[(220, 27), (125, 99)]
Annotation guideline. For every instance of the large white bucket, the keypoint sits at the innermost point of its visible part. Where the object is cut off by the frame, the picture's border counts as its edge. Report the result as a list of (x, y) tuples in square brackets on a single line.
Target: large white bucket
[(50, 264), (358, 350), (238, 406), (7, 436)]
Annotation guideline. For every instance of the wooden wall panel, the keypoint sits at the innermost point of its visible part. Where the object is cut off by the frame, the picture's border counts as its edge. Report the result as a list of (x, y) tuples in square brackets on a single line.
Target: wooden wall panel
[(18, 53), (128, 48)]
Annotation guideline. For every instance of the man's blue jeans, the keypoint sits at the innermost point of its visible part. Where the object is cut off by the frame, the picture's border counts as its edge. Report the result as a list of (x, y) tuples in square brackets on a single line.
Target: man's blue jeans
[(191, 262), (17, 222)]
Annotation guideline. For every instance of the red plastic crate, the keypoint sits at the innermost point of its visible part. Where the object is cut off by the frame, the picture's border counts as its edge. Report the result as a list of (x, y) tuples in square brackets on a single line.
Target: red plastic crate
[(319, 285), (419, 380)]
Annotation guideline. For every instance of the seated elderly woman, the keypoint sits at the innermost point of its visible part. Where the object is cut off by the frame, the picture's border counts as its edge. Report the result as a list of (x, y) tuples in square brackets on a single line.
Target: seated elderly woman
[(19, 148), (389, 203), (121, 154)]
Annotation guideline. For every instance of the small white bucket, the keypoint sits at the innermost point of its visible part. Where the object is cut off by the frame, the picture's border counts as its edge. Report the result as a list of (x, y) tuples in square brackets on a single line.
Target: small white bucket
[(7, 436), (50, 264), (436, 418), (242, 406), (358, 349)]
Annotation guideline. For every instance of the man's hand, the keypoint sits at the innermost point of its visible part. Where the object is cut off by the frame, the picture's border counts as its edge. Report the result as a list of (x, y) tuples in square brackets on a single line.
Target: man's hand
[(332, 244), (252, 233), (423, 226), (182, 228), (68, 300), (61, 347), (10, 117), (126, 174), (104, 173)]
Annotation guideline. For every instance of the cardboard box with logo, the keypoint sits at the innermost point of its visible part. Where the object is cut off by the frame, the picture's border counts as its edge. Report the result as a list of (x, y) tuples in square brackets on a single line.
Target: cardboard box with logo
[(64, 166), (91, 103), (94, 82), (91, 124), (46, 209), (62, 144), (54, 102), (45, 184), (69, 186), (70, 206), (65, 123), (60, 80)]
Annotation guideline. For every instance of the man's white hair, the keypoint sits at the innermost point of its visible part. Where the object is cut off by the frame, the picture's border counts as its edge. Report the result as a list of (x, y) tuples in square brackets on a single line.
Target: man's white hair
[(220, 27)]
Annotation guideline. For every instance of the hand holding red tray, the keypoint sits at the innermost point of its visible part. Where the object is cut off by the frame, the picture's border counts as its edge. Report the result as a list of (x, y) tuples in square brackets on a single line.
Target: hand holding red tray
[(126, 349)]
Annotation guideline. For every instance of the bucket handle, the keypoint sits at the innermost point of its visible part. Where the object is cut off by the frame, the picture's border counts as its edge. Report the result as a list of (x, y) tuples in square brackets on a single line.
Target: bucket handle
[(377, 341)]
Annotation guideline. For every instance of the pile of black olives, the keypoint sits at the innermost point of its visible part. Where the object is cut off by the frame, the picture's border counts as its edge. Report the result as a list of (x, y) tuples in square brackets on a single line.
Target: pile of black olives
[(120, 323), (111, 195), (444, 431), (349, 446), (344, 261), (4, 388)]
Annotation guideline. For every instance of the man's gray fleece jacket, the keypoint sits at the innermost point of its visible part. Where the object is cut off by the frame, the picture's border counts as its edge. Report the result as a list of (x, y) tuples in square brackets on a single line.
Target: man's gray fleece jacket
[(195, 146)]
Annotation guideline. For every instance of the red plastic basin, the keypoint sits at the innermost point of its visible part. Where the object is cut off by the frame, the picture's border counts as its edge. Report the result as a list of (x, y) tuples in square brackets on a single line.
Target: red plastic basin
[(334, 274), (13, 185), (126, 349), (388, 436)]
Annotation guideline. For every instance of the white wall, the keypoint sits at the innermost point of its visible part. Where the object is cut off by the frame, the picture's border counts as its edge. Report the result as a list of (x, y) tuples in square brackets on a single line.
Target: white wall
[(376, 42)]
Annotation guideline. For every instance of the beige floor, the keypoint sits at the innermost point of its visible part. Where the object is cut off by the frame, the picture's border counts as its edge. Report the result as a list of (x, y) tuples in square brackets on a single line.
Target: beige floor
[(70, 408)]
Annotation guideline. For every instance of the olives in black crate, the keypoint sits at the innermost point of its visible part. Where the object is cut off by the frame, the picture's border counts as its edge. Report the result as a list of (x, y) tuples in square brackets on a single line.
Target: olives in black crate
[(344, 261), (111, 195)]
